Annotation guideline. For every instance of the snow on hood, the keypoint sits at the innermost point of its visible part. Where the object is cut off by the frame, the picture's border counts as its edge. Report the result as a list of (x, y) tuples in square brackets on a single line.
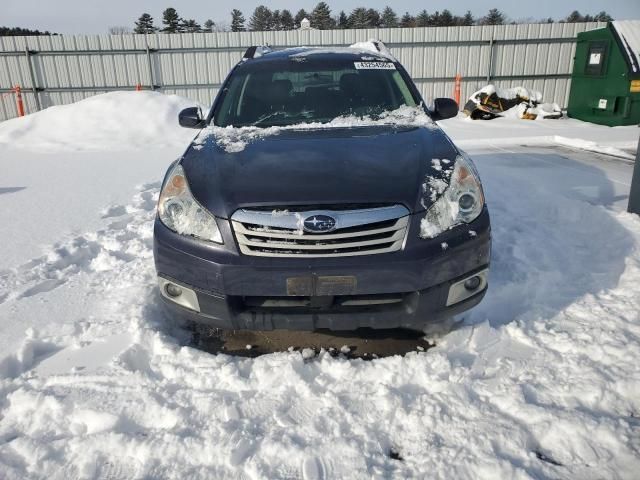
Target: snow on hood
[(111, 121), (235, 139)]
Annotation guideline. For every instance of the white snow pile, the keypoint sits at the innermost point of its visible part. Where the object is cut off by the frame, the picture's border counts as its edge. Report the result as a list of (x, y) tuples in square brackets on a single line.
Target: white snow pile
[(111, 121), (540, 381), (512, 93), (500, 102), (591, 146), (235, 139)]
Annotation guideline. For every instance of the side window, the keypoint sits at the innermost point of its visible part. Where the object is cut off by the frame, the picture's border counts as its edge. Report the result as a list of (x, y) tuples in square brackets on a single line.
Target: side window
[(596, 59), (402, 87)]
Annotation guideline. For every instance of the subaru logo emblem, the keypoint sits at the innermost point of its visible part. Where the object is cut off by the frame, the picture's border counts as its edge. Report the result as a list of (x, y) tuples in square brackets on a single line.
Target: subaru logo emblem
[(319, 223)]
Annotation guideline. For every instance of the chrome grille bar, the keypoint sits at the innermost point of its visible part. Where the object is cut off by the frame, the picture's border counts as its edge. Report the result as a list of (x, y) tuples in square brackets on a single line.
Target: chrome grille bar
[(357, 232)]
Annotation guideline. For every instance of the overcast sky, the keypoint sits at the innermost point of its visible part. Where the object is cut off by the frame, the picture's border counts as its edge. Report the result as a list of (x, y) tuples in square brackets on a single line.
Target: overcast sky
[(96, 16)]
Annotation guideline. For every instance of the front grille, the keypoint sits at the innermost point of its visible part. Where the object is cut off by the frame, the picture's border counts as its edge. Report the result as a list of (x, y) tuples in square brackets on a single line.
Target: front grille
[(365, 231), (326, 303)]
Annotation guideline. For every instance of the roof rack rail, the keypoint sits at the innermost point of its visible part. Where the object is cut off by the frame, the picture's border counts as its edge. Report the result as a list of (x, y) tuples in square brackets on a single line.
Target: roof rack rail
[(380, 46), (256, 51)]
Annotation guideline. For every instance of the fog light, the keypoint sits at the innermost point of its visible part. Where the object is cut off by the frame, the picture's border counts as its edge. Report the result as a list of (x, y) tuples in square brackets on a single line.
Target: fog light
[(175, 291), (472, 283), (179, 294), (467, 287)]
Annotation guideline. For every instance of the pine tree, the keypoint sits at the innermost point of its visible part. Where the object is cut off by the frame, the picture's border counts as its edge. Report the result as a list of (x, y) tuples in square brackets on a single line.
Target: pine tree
[(261, 19), (358, 18), (407, 21), (321, 17), (276, 23), (145, 24), (237, 21), (286, 20), (389, 18), (446, 19), (171, 21), (301, 15), (343, 20), (468, 19), (189, 26), (494, 17), (603, 17), (423, 19), (209, 25), (19, 32), (373, 18), (574, 17)]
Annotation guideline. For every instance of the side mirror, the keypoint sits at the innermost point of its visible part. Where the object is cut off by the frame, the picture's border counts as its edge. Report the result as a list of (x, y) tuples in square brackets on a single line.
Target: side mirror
[(444, 108), (191, 118)]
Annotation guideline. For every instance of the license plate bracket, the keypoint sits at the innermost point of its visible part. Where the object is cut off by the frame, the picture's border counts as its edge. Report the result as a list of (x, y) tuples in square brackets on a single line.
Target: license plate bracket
[(321, 285)]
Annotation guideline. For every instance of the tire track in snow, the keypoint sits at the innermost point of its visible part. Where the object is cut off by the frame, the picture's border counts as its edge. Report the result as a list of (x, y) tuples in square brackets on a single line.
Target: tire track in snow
[(126, 238)]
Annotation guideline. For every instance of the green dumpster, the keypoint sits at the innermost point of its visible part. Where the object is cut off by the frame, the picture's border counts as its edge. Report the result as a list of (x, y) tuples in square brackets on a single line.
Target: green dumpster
[(605, 84)]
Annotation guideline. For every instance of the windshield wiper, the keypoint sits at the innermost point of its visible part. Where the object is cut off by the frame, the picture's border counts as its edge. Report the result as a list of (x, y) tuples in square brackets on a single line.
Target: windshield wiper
[(306, 114), (268, 116)]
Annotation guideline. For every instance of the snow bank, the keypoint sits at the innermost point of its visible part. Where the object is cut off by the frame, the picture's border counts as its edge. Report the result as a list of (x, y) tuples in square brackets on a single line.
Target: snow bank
[(590, 146), (541, 382), (113, 121)]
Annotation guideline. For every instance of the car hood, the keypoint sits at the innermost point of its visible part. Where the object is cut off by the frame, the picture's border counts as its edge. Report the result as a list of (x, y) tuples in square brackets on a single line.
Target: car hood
[(321, 167)]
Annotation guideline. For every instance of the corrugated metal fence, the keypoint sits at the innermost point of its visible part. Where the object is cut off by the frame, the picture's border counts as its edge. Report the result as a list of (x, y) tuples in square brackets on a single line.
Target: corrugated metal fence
[(62, 69)]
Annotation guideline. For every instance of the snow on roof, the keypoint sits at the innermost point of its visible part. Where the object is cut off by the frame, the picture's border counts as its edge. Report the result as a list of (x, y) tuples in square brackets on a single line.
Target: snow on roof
[(370, 47), (375, 46), (629, 33)]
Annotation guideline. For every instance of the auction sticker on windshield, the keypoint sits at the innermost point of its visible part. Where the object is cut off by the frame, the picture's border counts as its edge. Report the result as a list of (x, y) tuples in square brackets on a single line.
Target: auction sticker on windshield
[(374, 65)]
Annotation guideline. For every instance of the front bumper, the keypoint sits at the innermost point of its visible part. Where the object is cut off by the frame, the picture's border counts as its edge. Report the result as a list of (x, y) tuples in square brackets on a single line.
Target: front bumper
[(418, 279)]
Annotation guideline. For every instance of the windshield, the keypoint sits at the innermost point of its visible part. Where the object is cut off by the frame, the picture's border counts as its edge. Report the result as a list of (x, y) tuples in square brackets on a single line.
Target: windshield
[(302, 90)]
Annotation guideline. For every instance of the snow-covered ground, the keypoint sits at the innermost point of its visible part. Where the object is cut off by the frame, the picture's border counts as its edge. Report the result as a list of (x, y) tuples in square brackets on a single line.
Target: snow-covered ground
[(541, 381)]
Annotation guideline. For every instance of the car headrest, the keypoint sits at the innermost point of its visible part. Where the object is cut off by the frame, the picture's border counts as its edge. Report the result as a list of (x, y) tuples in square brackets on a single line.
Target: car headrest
[(350, 83), (280, 89)]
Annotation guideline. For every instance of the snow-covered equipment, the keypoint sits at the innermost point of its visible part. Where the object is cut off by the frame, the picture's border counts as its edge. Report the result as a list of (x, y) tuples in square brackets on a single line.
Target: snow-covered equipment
[(605, 83), (491, 102)]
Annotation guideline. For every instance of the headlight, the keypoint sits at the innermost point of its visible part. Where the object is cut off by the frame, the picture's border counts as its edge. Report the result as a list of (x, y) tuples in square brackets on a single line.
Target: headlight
[(461, 202), (180, 212)]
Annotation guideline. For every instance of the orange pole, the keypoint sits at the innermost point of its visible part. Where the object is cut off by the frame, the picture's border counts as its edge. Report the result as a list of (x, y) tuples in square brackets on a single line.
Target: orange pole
[(19, 102), (456, 89)]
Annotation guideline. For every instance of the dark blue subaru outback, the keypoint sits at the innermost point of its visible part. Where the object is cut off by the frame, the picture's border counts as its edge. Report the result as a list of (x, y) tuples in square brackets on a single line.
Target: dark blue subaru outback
[(319, 193)]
